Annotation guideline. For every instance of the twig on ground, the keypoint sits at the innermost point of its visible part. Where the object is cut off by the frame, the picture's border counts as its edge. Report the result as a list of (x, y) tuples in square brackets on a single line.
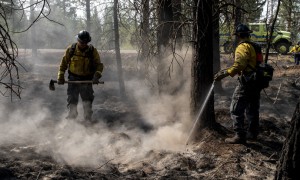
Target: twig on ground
[(296, 81), (277, 94), (103, 164), (272, 155), (38, 176)]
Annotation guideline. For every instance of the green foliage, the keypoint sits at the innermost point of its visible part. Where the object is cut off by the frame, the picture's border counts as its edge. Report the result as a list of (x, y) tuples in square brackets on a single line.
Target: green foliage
[(126, 27), (289, 17), (107, 38), (66, 22), (253, 9)]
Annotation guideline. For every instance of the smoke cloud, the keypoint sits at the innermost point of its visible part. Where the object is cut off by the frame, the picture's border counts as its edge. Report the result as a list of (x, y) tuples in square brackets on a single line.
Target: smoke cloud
[(35, 125)]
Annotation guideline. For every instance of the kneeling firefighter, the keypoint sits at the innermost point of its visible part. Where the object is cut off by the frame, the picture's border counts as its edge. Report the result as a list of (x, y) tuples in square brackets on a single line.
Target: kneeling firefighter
[(83, 63)]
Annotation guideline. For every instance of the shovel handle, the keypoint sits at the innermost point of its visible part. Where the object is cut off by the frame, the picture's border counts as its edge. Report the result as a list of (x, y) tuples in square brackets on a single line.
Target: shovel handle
[(78, 82), (52, 87)]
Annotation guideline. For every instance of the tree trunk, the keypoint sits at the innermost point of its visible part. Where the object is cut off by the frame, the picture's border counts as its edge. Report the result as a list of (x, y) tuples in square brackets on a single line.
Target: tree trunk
[(177, 11), (64, 8), (271, 10), (202, 64), (290, 19), (33, 30), (145, 38), (271, 32), (216, 43), (88, 15), (288, 166), (165, 17), (145, 28), (117, 48), (237, 19)]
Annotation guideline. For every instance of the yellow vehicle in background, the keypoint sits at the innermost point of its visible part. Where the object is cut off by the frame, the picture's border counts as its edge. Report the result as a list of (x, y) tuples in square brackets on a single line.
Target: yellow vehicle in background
[(280, 41)]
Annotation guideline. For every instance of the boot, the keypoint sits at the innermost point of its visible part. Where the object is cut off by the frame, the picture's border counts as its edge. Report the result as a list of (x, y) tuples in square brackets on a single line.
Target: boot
[(72, 111), (237, 139), (87, 110)]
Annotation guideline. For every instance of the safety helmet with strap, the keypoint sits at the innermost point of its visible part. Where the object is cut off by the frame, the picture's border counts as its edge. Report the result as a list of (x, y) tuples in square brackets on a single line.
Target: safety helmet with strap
[(84, 37), (242, 29)]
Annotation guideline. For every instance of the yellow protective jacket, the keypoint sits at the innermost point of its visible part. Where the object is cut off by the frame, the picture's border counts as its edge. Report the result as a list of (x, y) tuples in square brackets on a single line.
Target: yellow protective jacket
[(245, 59), (79, 63), (295, 49)]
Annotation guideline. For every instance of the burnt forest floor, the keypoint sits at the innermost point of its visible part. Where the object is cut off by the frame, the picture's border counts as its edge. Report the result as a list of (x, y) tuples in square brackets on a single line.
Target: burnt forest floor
[(136, 139)]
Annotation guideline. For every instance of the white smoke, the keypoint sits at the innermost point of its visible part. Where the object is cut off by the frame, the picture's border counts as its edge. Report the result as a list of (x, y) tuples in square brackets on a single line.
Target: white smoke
[(73, 143)]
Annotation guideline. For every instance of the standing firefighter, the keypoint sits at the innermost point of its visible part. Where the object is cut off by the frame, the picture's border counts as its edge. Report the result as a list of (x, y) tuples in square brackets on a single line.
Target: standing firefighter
[(296, 51), (83, 64), (246, 97)]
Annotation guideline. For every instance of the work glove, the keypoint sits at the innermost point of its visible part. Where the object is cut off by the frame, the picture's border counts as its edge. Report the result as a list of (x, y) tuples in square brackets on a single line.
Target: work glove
[(61, 77), (61, 81), (96, 77), (220, 75)]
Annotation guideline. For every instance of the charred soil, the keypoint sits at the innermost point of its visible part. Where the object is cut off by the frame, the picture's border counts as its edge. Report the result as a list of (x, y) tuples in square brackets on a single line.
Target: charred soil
[(38, 143)]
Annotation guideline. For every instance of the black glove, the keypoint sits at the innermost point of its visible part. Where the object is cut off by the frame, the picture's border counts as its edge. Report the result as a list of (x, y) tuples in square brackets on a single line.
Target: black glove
[(61, 81), (96, 77), (221, 74)]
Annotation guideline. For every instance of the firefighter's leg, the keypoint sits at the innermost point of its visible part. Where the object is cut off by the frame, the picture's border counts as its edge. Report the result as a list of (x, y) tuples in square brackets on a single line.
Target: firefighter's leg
[(252, 113), (237, 109), (87, 96), (297, 59), (73, 95), (88, 112)]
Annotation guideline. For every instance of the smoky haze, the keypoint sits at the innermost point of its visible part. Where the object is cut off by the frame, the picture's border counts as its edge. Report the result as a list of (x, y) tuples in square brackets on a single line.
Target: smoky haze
[(38, 120)]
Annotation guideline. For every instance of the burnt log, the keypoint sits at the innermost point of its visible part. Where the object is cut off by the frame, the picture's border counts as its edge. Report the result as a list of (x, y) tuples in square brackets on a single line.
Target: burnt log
[(288, 166)]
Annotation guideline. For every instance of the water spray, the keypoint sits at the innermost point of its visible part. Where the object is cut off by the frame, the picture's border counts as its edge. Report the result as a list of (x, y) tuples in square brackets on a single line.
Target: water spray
[(201, 111)]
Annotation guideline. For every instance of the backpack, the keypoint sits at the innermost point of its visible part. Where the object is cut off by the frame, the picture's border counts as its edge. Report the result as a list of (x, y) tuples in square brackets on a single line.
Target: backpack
[(89, 55), (263, 71)]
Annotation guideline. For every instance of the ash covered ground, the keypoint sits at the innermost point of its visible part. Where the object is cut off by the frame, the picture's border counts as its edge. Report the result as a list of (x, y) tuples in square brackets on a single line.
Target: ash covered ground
[(142, 137)]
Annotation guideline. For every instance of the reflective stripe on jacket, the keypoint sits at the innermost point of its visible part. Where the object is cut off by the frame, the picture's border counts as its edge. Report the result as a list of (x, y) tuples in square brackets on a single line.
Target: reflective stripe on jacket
[(244, 55), (79, 64)]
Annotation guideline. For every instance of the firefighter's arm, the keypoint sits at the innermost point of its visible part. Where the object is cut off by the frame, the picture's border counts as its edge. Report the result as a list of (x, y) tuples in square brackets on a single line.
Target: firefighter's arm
[(97, 61), (99, 67), (240, 62), (63, 65)]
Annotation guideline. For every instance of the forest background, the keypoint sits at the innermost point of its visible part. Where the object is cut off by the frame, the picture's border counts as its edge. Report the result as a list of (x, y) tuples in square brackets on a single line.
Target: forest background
[(155, 29), (176, 52)]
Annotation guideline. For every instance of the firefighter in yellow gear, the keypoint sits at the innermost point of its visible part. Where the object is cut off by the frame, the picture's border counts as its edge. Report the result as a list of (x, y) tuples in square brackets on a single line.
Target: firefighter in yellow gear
[(296, 52), (246, 97), (82, 61)]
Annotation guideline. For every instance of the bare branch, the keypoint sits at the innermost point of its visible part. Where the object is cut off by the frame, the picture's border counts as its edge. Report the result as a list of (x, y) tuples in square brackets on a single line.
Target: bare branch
[(9, 66)]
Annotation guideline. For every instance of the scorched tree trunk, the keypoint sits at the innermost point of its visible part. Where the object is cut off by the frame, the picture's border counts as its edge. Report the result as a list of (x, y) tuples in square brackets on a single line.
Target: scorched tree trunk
[(288, 166)]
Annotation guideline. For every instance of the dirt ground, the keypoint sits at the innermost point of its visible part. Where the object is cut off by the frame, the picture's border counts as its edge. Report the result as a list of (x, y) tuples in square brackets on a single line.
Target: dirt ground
[(142, 137)]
